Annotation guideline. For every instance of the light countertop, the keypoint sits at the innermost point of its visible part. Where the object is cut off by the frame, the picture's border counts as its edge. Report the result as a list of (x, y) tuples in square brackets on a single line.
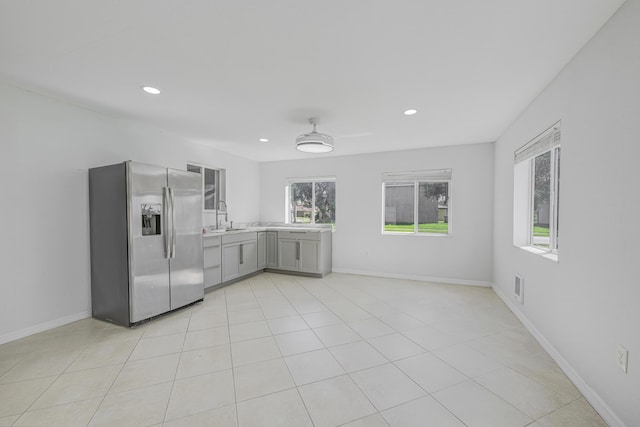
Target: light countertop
[(214, 233)]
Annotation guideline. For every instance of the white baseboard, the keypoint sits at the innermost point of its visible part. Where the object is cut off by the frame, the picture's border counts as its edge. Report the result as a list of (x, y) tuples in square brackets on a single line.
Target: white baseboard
[(592, 397), (12, 336), (413, 277)]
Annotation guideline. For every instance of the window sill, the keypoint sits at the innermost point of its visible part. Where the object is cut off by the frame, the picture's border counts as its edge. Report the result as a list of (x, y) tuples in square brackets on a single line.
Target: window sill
[(544, 254)]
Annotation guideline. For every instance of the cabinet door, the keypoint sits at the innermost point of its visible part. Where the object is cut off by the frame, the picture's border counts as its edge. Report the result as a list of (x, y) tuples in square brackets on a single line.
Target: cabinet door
[(212, 276), (212, 256), (272, 249), (309, 257), (248, 262), (288, 254), (262, 250), (230, 262)]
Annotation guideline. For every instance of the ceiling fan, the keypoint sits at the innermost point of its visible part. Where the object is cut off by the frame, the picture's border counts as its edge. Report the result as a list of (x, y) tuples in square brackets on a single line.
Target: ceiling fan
[(317, 142)]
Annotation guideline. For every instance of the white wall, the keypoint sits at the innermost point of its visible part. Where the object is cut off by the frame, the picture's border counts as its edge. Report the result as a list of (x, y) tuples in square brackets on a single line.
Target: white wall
[(46, 148), (358, 244), (588, 302)]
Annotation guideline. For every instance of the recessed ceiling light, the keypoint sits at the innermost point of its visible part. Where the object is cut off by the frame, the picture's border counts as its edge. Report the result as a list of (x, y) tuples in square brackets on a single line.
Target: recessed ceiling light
[(410, 112), (150, 89), (264, 140)]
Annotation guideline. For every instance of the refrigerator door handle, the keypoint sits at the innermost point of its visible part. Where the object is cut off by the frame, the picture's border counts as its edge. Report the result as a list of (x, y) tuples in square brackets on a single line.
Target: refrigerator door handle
[(166, 224), (173, 224)]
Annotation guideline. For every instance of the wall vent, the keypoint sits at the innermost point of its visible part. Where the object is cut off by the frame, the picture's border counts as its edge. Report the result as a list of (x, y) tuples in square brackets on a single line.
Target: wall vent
[(519, 288)]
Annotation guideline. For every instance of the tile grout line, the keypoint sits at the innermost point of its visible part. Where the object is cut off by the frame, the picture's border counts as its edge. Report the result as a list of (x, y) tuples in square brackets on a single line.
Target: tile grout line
[(291, 373), (348, 374), (561, 407), (392, 362), (49, 386), (175, 373), (233, 374), (290, 289), (115, 379)]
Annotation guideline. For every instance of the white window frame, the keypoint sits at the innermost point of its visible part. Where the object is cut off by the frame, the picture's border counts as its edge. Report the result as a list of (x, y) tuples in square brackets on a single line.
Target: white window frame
[(416, 178), (221, 184), (524, 192), (312, 181)]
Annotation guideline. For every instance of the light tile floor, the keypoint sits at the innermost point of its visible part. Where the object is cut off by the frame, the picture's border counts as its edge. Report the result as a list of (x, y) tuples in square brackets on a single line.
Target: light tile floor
[(278, 350)]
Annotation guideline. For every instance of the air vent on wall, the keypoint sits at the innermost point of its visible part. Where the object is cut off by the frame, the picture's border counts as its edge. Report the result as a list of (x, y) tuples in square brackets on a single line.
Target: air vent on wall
[(519, 288)]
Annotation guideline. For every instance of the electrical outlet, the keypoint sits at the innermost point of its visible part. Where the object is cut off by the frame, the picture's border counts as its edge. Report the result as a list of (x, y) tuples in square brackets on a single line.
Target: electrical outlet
[(622, 358)]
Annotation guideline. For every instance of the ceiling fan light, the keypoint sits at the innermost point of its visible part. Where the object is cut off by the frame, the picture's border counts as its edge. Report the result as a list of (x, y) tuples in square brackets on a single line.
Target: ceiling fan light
[(314, 147), (314, 142), (150, 89)]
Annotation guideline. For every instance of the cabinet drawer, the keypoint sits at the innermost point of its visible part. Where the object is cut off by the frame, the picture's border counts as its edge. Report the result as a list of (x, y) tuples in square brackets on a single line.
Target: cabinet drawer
[(212, 256), (299, 235), (211, 241), (239, 237)]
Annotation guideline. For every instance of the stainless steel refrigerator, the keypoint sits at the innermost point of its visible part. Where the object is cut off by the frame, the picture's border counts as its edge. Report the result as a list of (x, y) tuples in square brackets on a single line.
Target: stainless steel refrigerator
[(146, 241)]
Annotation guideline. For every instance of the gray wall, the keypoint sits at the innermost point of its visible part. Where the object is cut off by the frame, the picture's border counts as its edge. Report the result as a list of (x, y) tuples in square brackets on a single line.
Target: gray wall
[(46, 148), (586, 304), (358, 243)]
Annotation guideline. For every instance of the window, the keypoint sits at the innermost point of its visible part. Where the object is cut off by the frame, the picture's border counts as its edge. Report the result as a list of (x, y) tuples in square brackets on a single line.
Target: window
[(536, 193), (417, 202), (213, 186), (311, 201)]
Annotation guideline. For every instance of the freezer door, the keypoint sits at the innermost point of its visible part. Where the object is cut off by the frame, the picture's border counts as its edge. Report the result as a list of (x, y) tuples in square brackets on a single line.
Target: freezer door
[(147, 222), (186, 264)]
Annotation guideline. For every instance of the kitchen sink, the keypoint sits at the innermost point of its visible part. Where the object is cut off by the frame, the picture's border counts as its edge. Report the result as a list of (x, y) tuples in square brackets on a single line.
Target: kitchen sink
[(224, 230)]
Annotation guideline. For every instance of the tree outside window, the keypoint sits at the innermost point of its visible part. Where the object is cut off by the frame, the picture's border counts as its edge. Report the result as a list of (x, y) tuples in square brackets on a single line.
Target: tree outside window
[(417, 202), (312, 202), (536, 194), (545, 215)]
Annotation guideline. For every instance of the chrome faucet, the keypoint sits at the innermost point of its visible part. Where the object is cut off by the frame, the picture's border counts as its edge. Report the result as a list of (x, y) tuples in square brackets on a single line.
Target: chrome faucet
[(220, 204)]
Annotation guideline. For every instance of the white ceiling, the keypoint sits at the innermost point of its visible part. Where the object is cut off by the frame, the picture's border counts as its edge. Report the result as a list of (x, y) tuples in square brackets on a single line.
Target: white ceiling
[(234, 71)]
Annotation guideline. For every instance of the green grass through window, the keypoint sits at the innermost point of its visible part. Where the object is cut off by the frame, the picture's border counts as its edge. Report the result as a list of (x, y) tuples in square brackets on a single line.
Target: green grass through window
[(541, 231), (440, 228)]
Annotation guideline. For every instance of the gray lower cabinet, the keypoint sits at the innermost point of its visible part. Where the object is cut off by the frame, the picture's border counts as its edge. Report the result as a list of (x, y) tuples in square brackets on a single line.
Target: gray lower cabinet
[(304, 251), (248, 257), (239, 255), (233, 255), (212, 252), (272, 249), (309, 261), (288, 254), (299, 255), (262, 249), (230, 262)]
